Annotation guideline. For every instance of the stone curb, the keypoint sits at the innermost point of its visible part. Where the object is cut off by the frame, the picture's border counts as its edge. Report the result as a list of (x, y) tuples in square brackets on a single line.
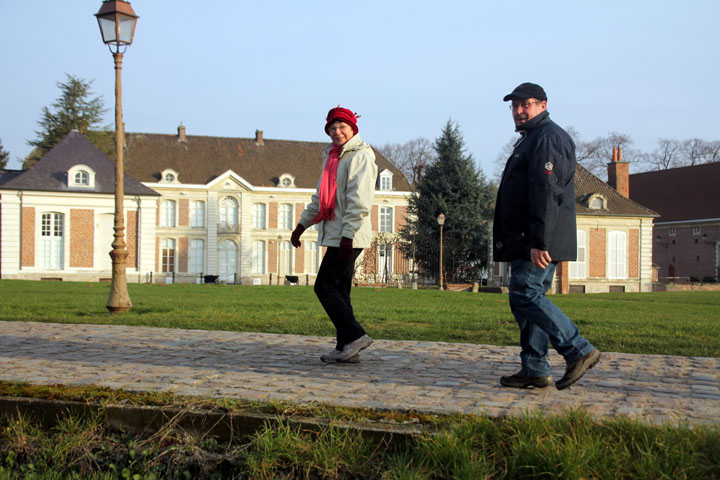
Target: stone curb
[(223, 426)]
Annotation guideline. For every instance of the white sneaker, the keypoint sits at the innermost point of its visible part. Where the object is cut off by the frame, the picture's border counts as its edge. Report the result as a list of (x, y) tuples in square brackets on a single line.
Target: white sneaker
[(333, 357), (353, 348)]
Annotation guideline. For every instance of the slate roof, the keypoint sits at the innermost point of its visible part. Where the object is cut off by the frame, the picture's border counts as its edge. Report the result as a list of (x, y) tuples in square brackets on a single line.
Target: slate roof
[(587, 184), (200, 159), (50, 172), (684, 193)]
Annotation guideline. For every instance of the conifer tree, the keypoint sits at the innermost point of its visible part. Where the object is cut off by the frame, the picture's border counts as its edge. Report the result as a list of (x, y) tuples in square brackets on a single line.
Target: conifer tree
[(4, 155), (452, 185), (74, 109)]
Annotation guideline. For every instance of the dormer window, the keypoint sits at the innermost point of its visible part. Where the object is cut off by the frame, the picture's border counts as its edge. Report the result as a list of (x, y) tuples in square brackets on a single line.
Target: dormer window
[(169, 176), (286, 180), (385, 180), (596, 202), (81, 176)]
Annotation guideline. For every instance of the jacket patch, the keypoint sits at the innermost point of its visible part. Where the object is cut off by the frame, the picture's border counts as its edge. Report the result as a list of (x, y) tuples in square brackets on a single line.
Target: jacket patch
[(548, 168)]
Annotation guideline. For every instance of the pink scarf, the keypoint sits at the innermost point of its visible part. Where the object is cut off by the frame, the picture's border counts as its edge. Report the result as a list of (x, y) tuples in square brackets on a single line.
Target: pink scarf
[(328, 187)]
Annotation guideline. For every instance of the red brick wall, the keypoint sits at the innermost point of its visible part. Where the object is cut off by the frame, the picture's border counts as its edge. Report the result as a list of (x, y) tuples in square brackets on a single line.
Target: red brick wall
[(563, 278), (184, 214), (131, 238), (28, 237), (597, 253), (183, 254), (634, 253), (299, 208), (273, 215), (400, 217), (82, 237), (682, 251), (272, 251), (374, 218)]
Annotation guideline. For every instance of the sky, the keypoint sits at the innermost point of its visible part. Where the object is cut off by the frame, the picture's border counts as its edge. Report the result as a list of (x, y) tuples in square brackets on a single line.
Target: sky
[(647, 68)]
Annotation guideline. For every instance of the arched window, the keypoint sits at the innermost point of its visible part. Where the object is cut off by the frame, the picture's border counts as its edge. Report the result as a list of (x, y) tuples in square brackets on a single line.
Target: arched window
[(197, 255), (82, 178), (258, 257), (229, 211), (168, 255)]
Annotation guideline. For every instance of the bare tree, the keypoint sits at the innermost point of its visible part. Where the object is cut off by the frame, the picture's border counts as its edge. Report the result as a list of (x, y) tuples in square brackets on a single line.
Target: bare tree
[(502, 159), (692, 151), (666, 155), (596, 154), (411, 158)]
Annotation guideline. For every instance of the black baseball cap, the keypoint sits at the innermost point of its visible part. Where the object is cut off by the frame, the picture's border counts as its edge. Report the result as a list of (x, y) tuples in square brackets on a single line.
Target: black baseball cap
[(525, 91)]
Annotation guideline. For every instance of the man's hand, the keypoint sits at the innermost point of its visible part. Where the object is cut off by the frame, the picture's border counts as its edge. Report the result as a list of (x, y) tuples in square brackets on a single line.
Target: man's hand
[(540, 258), (295, 237), (346, 248)]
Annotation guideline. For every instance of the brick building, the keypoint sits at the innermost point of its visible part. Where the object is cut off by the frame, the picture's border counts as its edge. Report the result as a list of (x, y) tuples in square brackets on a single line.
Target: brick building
[(56, 218), (215, 206), (687, 233)]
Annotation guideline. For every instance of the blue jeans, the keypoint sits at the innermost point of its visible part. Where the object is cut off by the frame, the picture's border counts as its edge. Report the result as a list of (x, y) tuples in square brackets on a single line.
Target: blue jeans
[(539, 320)]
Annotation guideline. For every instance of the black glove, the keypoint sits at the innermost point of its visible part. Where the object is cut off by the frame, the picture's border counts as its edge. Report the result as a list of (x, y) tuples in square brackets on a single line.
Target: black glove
[(295, 237), (346, 248)]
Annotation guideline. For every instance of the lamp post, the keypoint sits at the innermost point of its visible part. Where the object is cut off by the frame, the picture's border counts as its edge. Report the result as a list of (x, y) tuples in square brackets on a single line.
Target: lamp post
[(117, 20), (279, 242), (441, 222)]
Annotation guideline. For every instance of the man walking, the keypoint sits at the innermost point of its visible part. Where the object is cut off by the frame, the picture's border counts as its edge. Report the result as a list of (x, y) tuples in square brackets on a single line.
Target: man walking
[(341, 207), (534, 228)]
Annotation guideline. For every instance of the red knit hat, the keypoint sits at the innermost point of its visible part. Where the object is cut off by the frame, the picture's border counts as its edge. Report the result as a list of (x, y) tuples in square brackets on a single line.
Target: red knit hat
[(343, 115)]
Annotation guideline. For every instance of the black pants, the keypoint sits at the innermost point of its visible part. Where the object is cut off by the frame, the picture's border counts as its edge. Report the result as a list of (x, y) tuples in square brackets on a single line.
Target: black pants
[(332, 287)]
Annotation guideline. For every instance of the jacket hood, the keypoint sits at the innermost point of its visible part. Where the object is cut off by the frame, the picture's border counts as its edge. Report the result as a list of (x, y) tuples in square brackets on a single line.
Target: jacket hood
[(538, 120)]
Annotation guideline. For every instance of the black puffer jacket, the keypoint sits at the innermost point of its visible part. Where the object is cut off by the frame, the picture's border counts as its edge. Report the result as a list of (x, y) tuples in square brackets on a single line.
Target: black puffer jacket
[(535, 205)]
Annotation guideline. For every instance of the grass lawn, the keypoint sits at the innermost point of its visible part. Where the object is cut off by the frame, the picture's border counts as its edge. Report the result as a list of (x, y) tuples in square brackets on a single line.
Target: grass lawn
[(667, 323)]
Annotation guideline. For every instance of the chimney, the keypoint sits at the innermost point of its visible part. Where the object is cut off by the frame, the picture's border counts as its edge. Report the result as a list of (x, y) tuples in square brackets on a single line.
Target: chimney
[(619, 173), (259, 138), (181, 133)]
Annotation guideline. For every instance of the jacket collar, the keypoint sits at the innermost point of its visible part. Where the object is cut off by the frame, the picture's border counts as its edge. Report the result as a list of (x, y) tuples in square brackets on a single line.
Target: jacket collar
[(534, 123), (355, 143)]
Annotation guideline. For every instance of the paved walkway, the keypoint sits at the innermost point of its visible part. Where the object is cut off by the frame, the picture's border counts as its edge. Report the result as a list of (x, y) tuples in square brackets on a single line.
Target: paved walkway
[(428, 377)]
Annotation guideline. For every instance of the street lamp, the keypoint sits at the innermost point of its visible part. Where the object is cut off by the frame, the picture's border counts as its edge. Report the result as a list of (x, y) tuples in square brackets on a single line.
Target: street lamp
[(441, 222), (279, 242), (117, 20)]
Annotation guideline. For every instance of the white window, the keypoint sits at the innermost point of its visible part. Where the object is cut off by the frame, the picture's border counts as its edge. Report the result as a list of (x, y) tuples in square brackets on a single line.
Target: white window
[(696, 230), (197, 214), (596, 203), (386, 180), (386, 219), (286, 221), (197, 256), (167, 213), (168, 255), (82, 178), (672, 231), (51, 242), (259, 215), (617, 261), (228, 261), (228, 212), (385, 262), (285, 267), (258, 257), (311, 257), (578, 268)]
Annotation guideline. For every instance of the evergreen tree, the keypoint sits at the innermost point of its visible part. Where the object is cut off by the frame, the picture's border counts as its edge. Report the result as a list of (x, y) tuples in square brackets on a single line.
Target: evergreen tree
[(452, 185), (4, 155), (73, 110)]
